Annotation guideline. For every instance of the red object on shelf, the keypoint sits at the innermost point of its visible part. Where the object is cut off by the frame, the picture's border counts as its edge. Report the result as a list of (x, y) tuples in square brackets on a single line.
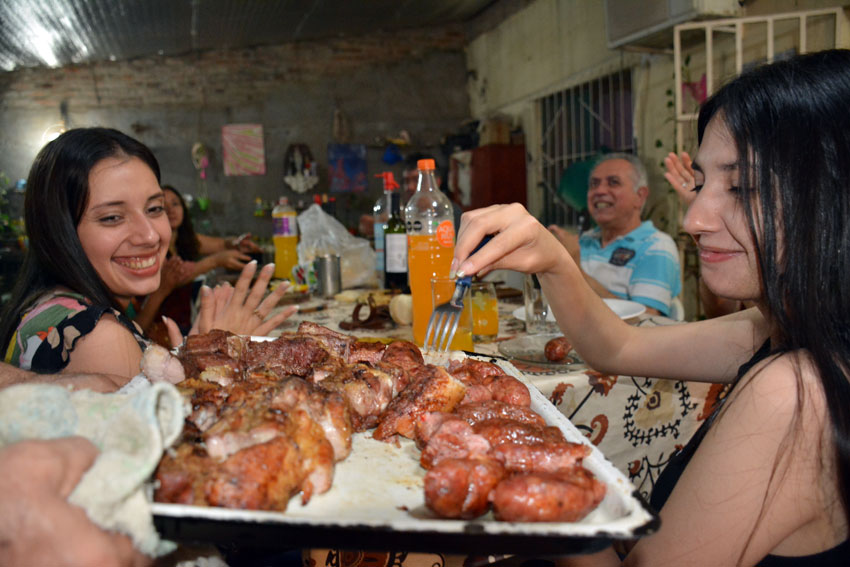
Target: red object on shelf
[(497, 175)]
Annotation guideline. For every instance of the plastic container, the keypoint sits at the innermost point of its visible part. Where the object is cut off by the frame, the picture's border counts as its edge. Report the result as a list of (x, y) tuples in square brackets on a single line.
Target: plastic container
[(380, 215), (285, 239), (430, 231)]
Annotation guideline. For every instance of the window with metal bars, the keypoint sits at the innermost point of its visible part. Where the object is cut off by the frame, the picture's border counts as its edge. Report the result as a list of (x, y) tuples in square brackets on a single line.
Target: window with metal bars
[(578, 124)]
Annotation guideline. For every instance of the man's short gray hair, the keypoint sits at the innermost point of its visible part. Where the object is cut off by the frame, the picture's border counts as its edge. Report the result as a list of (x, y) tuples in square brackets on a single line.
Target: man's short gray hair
[(639, 176)]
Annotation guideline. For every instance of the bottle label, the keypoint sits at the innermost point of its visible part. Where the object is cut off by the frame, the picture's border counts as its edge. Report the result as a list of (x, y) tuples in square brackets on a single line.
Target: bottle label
[(446, 233), (285, 226), (396, 253)]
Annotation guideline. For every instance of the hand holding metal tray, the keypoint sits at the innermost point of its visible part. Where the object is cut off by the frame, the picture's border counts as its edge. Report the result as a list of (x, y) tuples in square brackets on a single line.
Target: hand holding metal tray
[(377, 502)]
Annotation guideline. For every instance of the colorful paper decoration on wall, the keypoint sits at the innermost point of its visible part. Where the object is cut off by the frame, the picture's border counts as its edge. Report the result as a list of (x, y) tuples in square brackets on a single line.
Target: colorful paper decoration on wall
[(347, 168), (242, 148)]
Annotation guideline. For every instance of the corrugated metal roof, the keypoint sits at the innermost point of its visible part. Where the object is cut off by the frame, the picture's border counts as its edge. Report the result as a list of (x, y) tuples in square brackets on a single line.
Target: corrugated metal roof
[(55, 33)]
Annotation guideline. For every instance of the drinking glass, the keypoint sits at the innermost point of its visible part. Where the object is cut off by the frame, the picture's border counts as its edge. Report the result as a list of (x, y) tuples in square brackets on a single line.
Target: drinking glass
[(537, 312), (441, 292), (485, 311)]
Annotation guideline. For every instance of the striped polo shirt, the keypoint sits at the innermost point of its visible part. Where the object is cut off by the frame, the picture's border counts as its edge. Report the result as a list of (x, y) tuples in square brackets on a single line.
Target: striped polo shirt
[(642, 265)]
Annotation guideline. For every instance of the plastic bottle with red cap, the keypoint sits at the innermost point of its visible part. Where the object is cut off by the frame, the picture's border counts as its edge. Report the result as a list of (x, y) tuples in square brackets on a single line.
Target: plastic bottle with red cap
[(429, 222)]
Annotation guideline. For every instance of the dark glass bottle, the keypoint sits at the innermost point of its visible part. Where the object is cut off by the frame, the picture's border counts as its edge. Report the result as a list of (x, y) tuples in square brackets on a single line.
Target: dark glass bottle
[(395, 248)]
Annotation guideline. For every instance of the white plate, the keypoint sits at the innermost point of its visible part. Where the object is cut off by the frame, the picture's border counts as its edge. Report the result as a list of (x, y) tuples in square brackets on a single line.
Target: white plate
[(624, 308)]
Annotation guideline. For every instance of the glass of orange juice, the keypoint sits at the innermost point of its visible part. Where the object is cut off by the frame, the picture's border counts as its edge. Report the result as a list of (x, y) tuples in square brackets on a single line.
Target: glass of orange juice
[(441, 292), (485, 311)]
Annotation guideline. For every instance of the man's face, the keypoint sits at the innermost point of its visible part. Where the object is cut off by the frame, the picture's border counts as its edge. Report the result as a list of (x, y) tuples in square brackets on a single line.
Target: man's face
[(611, 197)]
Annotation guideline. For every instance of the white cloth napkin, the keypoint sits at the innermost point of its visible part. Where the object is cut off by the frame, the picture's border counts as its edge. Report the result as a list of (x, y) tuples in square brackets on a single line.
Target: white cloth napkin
[(131, 430)]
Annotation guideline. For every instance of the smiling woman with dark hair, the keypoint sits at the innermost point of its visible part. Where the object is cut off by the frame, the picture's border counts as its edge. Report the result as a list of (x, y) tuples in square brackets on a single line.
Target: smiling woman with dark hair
[(766, 480), (99, 235)]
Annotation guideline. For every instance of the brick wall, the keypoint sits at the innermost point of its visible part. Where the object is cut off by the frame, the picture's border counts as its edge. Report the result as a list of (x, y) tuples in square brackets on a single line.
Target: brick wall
[(383, 83)]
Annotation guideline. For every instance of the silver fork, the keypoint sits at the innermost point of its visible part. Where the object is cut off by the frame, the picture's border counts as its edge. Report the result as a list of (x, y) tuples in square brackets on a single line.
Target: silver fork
[(442, 325)]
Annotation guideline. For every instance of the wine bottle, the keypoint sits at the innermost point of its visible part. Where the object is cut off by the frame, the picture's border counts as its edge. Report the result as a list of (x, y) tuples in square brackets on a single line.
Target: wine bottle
[(395, 243)]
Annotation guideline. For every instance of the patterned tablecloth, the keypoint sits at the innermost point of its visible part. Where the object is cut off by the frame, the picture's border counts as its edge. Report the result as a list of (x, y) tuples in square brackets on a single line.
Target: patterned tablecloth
[(636, 422)]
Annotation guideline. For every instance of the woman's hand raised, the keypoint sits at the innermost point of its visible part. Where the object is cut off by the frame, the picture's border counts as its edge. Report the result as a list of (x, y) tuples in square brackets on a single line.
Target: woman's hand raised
[(243, 309)]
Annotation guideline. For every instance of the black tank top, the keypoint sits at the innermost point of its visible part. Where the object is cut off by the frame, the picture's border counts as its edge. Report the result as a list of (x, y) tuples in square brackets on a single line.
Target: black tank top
[(838, 555)]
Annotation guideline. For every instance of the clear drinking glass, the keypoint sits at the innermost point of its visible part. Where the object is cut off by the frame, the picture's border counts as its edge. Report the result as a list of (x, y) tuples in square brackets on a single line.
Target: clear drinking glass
[(538, 317), (441, 292), (485, 311)]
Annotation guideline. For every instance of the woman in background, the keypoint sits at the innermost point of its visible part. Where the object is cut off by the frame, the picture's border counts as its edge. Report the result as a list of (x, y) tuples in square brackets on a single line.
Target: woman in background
[(99, 235), (189, 255), (766, 480)]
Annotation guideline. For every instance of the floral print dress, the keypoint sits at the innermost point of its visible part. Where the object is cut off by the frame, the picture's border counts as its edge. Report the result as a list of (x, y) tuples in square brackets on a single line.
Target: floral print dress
[(50, 329)]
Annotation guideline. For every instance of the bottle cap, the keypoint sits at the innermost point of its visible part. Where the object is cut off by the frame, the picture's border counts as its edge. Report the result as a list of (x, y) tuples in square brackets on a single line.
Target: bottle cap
[(425, 164)]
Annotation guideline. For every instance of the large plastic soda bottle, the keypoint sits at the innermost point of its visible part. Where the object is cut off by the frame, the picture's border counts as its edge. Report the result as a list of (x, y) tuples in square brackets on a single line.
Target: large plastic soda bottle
[(380, 215), (430, 243), (285, 238)]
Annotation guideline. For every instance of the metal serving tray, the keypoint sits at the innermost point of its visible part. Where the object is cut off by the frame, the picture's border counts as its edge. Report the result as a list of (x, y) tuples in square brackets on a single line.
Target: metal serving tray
[(377, 503)]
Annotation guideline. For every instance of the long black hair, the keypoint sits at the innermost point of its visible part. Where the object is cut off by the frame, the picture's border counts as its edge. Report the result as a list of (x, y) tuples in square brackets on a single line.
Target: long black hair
[(56, 198), (187, 245), (791, 126)]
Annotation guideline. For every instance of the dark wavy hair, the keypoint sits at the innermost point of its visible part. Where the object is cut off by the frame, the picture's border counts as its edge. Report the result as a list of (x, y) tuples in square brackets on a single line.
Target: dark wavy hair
[(187, 245), (791, 127), (56, 198)]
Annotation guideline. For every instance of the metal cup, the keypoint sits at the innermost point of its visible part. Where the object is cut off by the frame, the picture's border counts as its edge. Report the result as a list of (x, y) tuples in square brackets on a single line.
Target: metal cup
[(328, 275)]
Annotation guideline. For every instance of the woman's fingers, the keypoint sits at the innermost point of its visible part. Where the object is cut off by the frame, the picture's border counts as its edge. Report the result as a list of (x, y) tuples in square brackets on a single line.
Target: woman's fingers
[(175, 337), (206, 312), (258, 290), (274, 322)]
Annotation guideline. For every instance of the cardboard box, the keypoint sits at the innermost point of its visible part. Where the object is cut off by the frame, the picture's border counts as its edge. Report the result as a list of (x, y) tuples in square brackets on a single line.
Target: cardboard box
[(494, 131)]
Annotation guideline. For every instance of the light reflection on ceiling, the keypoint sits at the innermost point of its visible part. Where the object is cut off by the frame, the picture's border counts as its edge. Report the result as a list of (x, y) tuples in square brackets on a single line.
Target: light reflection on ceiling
[(55, 33)]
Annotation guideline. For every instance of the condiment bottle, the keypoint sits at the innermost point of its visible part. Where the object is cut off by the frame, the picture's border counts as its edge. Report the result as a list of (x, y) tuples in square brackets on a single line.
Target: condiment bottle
[(430, 243), (285, 238)]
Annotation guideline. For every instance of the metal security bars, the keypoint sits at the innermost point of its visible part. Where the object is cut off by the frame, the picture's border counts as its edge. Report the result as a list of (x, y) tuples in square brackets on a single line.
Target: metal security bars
[(577, 124)]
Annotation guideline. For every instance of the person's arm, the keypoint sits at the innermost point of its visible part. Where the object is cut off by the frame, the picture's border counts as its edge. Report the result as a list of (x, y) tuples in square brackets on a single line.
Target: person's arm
[(706, 351), (212, 244), (570, 241), (11, 375), (761, 482), (110, 348), (680, 175), (38, 526)]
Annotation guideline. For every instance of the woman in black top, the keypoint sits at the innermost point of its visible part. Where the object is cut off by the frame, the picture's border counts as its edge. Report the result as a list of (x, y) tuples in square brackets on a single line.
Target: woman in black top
[(768, 480)]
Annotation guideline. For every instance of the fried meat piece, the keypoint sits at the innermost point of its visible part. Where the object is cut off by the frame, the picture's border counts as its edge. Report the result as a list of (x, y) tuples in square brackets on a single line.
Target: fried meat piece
[(334, 342), (369, 352), (453, 439), (486, 381), (461, 488), (499, 430), (328, 409), (367, 391), (547, 456), (260, 477), (480, 411), (547, 497), (432, 388), (404, 354), (214, 356), (285, 356)]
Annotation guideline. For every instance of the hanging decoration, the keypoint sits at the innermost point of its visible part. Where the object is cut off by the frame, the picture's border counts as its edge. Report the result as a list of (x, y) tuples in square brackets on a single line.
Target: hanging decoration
[(299, 168), (201, 161)]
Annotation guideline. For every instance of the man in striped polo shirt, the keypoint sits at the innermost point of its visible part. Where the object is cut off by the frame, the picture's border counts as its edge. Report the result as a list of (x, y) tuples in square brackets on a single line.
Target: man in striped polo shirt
[(624, 257)]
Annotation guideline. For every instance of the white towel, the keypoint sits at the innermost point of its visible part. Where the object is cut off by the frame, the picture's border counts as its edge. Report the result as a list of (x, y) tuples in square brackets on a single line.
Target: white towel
[(131, 430)]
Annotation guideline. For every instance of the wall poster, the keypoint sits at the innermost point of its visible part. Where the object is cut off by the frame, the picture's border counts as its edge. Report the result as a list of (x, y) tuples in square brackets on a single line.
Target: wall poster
[(242, 149), (347, 168)]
